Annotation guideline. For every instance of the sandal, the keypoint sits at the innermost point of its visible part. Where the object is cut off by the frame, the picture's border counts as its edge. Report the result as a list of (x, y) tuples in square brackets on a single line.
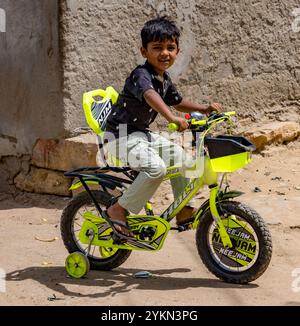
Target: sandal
[(118, 231), (188, 221), (186, 215)]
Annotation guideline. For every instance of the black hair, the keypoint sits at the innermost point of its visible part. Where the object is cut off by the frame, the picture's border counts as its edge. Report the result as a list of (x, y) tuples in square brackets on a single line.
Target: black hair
[(159, 29)]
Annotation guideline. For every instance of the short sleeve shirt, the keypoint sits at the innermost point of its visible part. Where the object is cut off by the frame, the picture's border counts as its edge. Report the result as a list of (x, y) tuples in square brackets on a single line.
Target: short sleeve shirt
[(131, 107)]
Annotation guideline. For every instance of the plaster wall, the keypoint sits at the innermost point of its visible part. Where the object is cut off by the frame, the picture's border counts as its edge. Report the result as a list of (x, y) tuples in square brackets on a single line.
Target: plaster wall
[(31, 103), (244, 54)]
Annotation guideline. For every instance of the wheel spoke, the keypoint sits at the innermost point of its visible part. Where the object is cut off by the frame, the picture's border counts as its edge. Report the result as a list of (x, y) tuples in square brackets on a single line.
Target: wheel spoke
[(80, 225), (93, 250)]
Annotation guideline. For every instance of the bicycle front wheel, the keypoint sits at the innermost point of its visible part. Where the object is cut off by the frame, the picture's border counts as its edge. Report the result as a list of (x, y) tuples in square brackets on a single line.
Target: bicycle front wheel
[(251, 252)]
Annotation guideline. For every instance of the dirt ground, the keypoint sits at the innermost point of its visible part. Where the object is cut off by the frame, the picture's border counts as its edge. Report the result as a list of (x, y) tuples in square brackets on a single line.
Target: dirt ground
[(35, 272)]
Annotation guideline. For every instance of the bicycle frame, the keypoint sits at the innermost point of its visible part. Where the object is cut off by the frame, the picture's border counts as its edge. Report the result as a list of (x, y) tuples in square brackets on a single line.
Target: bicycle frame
[(190, 191)]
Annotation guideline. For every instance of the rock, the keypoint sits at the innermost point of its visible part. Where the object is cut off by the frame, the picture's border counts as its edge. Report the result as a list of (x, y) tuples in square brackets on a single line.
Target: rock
[(275, 132), (66, 154), (276, 178), (44, 182), (257, 189), (293, 227)]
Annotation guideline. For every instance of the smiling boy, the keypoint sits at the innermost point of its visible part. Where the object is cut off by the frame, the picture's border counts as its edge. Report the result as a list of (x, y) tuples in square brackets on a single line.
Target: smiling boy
[(149, 91)]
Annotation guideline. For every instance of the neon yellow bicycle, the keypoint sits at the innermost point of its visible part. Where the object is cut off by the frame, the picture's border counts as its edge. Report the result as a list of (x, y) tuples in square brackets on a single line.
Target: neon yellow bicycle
[(232, 239)]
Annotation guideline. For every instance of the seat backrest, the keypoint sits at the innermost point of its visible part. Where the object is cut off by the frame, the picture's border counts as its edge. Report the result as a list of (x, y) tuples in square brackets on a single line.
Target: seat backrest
[(97, 111)]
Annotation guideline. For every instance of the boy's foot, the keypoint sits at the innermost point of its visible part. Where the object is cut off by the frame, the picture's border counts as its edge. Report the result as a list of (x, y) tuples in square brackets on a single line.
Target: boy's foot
[(185, 215), (117, 215)]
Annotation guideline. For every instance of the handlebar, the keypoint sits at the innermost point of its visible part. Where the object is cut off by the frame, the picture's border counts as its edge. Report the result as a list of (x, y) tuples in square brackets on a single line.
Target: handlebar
[(212, 118)]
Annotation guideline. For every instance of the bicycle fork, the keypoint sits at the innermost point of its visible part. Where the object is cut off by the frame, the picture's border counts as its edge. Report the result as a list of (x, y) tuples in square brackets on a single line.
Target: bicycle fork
[(215, 214)]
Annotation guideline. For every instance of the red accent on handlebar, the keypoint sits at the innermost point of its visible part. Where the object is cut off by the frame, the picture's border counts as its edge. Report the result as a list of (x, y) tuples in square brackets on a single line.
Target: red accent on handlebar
[(187, 116)]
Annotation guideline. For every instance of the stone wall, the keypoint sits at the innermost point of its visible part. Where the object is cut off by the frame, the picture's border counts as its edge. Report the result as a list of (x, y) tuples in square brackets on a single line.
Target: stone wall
[(243, 54), (31, 103)]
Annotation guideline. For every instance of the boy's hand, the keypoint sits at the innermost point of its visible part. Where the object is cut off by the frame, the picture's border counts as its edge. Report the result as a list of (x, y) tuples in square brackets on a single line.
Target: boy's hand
[(214, 107), (181, 122)]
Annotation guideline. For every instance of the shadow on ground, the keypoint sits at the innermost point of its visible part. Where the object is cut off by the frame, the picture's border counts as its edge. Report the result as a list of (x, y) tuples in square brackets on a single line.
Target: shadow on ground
[(111, 283), (26, 200)]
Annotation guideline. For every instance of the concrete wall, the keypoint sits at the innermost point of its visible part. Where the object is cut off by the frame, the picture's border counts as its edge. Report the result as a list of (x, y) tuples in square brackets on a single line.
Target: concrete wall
[(31, 103), (243, 54)]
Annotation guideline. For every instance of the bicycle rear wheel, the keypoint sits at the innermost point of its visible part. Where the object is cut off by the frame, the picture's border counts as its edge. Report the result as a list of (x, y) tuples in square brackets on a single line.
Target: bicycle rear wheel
[(100, 258)]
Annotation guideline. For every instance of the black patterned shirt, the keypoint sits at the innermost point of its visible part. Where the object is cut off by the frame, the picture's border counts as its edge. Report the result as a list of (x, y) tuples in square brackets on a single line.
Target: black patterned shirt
[(131, 107)]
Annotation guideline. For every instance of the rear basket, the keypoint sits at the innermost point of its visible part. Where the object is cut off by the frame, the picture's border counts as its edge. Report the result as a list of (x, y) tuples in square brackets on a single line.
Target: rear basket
[(229, 153)]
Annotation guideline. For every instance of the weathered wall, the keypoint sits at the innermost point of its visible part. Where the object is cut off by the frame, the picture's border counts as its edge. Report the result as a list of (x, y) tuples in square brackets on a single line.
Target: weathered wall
[(243, 54), (30, 77), (31, 103)]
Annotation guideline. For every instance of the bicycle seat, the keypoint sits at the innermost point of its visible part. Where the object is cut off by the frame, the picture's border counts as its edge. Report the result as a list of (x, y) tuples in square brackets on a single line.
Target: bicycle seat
[(96, 113)]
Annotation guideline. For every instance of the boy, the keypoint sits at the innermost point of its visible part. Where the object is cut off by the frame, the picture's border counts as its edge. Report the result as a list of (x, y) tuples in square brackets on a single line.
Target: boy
[(149, 91)]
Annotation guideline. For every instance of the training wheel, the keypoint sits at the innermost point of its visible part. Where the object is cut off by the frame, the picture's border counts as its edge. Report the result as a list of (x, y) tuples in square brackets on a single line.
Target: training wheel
[(77, 264)]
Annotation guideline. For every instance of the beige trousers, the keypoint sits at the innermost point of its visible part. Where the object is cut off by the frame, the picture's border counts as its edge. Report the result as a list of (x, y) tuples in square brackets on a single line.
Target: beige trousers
[(151, 159)]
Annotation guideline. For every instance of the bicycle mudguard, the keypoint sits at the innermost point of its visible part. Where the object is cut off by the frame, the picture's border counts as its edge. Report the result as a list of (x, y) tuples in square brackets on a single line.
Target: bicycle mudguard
[(205, 206), (150, 232), (229, 194)]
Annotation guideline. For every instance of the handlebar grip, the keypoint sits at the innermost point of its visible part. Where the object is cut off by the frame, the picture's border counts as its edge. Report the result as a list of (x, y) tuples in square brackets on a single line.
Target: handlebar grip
[(172, 127), (199, 122)]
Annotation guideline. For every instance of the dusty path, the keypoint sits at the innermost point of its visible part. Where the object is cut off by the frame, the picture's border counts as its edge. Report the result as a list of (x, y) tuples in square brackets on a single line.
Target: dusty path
[(35, 269)]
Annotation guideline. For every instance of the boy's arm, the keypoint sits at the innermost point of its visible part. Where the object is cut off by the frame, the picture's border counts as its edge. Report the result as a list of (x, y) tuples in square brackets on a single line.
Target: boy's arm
[(188, 106), (157, 103)]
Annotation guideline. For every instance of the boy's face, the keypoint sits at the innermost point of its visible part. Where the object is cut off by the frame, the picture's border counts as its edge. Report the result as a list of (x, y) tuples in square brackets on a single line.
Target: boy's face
[(161, 54)]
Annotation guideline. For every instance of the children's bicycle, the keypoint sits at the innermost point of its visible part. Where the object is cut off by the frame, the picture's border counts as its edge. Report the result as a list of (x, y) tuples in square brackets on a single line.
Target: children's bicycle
[(232, 239)]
